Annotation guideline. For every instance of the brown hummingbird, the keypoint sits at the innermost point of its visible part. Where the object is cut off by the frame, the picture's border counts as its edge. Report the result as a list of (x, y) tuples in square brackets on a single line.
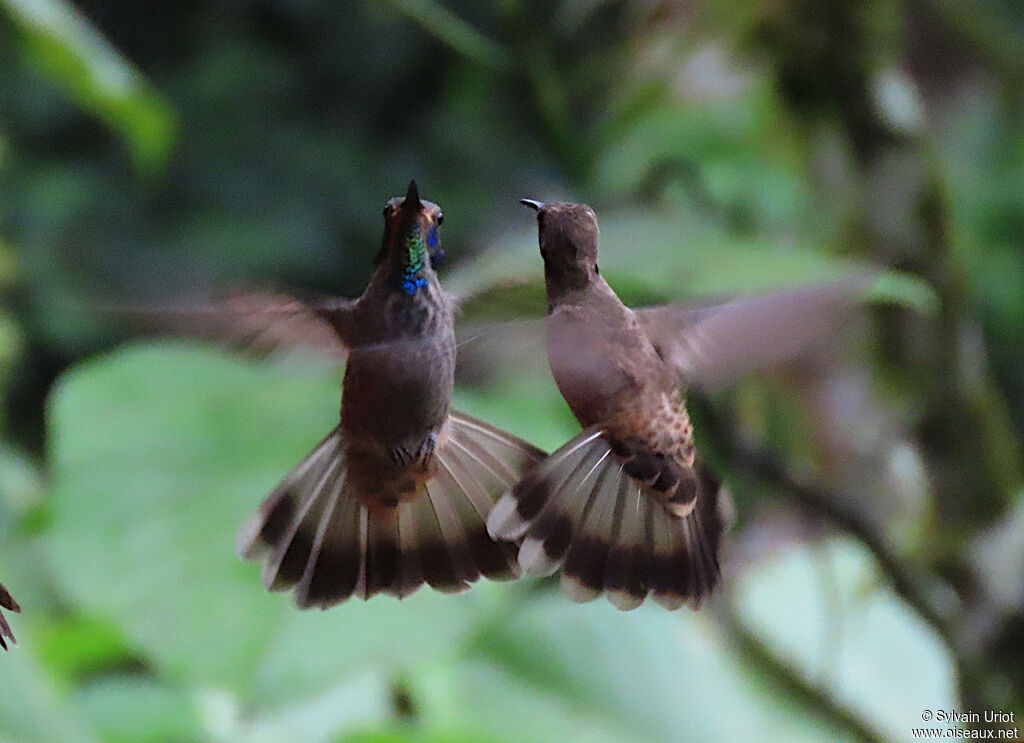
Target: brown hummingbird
[(7, 602), (628, 507), (398, 493)]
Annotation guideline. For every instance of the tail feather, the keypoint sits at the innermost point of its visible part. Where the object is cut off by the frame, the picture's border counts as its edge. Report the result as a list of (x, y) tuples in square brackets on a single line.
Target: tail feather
[(318, 536), (445, 502), (500, 453), (472, 502), (627, 575), (276, 515), (548, 539), (6, 632), (288, 561), (7, 602), (512, 516), (582, 512), (583, 570), (380, 573), (706, 522), (333, 570), (409, 561), (440, 541), (668, 583)]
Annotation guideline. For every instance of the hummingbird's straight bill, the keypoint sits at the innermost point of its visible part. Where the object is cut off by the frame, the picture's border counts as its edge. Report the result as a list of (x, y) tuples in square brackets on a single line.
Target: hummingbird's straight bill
[(628, 508), (397, 495)]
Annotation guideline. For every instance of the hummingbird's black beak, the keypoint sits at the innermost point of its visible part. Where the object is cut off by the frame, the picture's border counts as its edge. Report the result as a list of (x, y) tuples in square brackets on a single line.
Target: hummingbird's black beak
[(412, 197), (532, 203)]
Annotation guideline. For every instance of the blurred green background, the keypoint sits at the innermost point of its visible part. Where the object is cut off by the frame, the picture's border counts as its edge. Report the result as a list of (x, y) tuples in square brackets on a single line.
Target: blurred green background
[(152, 150)]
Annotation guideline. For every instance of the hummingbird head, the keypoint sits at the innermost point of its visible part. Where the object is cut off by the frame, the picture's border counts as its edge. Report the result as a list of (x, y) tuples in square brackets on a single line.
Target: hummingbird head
[(568, 242), (412, 238)]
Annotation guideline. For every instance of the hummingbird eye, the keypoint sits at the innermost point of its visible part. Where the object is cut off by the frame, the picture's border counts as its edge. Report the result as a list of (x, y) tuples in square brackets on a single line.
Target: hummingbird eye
[(440, 218)]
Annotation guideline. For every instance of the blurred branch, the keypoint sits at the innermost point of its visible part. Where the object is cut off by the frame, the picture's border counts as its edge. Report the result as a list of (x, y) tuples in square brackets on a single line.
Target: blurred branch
[(971, 446), (913, 585), (991, 30), (787, 679), (549, 96), (758, 463), (447, 27), (972, 456)]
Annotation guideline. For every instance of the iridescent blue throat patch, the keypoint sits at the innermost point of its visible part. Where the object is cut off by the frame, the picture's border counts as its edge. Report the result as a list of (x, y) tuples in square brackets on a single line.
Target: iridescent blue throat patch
[(412, 276)]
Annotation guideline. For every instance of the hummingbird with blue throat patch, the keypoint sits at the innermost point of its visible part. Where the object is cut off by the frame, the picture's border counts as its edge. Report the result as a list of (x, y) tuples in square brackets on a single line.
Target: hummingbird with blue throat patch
[(397, 495), (629, 508)]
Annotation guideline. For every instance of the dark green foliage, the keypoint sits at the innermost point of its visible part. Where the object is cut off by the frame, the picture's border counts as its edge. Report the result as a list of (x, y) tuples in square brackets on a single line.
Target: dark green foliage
[(149, 151)]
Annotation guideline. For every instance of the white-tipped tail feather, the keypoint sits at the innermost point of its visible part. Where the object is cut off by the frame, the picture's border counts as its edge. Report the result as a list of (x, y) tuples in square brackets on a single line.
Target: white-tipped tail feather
[(318, 536), (580, 511)]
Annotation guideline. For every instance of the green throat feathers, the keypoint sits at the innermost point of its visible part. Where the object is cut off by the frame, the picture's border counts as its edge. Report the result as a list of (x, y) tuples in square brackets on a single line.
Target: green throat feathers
[(413, 275)]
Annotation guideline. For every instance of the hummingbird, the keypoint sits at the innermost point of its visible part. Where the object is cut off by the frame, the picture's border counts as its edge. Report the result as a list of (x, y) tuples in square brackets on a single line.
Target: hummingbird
[(7, 602), (629, 508), (397, 495)]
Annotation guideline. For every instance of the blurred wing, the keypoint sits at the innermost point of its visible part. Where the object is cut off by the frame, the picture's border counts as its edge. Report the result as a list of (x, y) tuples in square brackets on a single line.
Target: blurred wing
[(259, 323), (715, 345), (499, 349)]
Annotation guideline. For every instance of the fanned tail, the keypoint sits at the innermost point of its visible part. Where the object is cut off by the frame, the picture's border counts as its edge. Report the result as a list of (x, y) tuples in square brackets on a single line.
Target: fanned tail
[(318, 536), (582, 512)]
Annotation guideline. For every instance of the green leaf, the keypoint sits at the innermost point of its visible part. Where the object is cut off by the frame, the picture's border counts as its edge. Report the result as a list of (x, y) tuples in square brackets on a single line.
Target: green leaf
[(159, 454), (313, 650), (908, 290), (412, 735), (77, 646), (478, 695), (21, 484), (130, 709), (9, 269), (360, 702), (647, 675), (67, 49), (31, 710)]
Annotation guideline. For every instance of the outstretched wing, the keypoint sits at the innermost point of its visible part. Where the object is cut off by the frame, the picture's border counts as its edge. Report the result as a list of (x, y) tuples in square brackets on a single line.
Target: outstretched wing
[(261, 323), (715, 345)]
